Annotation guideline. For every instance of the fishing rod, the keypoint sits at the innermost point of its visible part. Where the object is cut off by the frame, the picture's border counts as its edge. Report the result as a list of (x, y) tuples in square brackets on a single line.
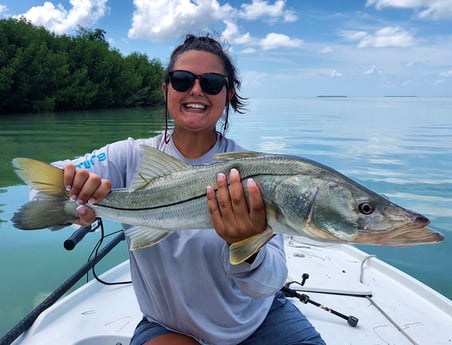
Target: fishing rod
[(288, 292), (28, 320)]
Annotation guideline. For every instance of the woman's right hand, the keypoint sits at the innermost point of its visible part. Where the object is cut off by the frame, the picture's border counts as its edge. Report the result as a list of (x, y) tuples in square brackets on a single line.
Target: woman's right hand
[(85, 187)]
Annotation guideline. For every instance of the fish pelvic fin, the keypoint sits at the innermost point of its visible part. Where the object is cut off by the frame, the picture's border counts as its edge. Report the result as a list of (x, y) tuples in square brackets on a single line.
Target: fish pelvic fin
[(42, 176), (154, 163), (244, 249), (145, 236), (43, 213)]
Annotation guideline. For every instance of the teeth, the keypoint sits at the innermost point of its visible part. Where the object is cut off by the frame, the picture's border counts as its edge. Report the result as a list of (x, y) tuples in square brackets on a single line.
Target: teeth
[(195, 106)]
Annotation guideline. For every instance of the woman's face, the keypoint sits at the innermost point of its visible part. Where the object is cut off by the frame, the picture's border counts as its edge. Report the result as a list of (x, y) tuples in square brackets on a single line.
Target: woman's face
[(195, 110)]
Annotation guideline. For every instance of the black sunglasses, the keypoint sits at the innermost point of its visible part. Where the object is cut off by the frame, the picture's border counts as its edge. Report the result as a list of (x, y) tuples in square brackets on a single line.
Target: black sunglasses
[(211, 83)]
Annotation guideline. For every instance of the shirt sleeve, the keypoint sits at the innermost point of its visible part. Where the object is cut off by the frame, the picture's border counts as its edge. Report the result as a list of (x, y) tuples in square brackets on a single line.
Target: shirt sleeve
[(266, 275)]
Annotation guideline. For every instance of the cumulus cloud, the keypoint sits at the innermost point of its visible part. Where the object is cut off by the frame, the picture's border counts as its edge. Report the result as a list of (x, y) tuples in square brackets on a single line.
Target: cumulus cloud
[(390, 36), (261, 9), (61, 20), (274, 41), (160, 20), (429, 9)]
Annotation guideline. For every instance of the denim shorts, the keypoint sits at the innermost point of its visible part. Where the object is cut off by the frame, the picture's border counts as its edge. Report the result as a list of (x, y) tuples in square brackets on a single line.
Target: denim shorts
[(284, 325)]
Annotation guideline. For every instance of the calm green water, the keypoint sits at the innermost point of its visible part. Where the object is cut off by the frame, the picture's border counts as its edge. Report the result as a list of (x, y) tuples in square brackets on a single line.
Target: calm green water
[(400, 147)]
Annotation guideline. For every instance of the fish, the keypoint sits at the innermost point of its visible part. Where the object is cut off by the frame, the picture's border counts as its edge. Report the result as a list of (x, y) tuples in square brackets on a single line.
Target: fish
[(302, 197)]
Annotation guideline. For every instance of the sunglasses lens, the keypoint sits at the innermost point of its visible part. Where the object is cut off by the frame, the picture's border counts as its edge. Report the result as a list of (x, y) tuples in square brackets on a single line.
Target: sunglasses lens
[(182, 80), (211, 83)]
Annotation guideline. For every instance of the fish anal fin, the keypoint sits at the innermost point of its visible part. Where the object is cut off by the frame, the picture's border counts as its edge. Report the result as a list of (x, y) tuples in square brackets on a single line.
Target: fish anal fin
[(145, 236), (244, 249)]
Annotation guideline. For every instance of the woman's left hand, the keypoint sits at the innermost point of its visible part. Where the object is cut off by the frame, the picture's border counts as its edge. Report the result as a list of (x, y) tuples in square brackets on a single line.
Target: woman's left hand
[(232, 217)]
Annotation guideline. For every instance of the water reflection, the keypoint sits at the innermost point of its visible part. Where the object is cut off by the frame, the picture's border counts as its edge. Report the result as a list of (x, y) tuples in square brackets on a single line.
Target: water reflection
[(399, 148)]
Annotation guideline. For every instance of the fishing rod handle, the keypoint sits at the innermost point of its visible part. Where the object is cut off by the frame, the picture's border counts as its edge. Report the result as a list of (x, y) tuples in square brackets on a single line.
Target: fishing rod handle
[(79, 234)]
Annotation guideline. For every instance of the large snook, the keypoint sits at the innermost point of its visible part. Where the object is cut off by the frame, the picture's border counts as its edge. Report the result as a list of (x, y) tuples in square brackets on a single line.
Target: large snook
[(302, 198)]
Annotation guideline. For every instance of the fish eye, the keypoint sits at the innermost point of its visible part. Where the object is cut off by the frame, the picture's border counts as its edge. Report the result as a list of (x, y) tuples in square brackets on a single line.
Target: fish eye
[(366, 208)]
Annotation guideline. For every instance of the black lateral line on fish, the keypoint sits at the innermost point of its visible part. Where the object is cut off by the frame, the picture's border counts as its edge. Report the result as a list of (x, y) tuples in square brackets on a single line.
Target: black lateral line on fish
[(182, 201)]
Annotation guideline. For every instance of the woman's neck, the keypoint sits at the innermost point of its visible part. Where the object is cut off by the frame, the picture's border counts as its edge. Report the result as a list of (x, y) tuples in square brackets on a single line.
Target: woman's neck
[(194, 144)]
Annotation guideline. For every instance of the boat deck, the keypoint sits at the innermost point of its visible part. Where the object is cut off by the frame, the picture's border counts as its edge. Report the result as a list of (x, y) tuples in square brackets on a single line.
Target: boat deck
[(392, 307)]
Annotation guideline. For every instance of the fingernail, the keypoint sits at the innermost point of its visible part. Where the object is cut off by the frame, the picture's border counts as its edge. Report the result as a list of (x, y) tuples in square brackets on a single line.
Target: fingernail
[(91, 201), (68, 188), (233, 172), (209, 189), (73, 197), (250, 182), (81, 209), (221, 177), (79, 202)]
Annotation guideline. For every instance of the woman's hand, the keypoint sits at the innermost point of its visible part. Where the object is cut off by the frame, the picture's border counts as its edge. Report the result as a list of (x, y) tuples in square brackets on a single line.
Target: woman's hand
[(233, 219), (85, 187)]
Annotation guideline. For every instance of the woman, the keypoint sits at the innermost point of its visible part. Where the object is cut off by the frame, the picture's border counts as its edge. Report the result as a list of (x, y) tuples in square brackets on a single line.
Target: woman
[(186, 288)]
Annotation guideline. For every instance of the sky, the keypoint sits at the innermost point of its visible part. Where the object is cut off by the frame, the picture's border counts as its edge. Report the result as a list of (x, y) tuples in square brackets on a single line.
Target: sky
[(292, 48)]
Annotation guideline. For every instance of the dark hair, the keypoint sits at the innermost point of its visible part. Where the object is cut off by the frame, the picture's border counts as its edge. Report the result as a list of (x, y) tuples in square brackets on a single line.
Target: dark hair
[(210, 45)]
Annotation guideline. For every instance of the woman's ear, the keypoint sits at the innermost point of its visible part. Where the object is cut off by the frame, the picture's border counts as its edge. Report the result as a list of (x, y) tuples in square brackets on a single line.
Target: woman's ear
[(231, 94), (164, 90)]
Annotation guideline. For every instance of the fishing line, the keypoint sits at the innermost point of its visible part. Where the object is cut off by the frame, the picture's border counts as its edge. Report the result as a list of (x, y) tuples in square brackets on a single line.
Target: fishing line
[(95, 253)]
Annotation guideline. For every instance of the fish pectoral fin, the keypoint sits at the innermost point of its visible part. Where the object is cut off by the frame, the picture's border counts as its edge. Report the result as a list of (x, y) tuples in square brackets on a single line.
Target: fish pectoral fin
[(236, 155), (154, 163), (244, 249), (145, 236)]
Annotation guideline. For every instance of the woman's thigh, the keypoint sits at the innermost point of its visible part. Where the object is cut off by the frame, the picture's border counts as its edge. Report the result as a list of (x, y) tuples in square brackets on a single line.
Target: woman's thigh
[(151, 333), (284, 325)]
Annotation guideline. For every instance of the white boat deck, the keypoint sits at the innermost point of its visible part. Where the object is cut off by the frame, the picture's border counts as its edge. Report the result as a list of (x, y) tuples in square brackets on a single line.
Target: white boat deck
[(400, 311)]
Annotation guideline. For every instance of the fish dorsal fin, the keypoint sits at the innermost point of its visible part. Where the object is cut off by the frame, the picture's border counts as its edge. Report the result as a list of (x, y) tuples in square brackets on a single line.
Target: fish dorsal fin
[(154, 163), (237, 155)]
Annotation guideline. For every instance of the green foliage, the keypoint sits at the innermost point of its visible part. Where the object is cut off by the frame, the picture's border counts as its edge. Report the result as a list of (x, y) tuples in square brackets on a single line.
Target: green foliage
[(42, 71)]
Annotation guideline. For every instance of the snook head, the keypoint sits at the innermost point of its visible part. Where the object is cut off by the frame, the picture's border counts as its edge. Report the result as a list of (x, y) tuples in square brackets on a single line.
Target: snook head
[(344, 210)]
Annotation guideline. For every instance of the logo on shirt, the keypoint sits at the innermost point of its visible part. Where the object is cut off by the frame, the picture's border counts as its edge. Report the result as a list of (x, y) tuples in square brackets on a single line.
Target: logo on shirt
[(87, 164)]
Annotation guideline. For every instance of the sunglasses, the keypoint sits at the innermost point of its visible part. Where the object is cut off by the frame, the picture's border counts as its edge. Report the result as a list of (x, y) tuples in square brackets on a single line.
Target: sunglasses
[(211, 83)]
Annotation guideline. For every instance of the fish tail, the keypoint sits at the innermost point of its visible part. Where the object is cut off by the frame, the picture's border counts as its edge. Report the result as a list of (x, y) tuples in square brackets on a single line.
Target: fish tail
[(42, 176), (50, 209), (41, 214)]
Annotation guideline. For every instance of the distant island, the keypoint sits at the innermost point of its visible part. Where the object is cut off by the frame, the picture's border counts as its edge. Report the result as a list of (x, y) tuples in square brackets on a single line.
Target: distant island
[(331, 96)]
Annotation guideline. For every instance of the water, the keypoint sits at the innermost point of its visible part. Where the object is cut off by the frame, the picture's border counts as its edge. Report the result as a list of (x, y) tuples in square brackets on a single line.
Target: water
[(399, 147)]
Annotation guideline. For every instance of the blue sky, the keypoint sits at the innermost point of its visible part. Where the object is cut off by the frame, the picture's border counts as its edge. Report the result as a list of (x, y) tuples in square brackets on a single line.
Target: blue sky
[(290, 48)]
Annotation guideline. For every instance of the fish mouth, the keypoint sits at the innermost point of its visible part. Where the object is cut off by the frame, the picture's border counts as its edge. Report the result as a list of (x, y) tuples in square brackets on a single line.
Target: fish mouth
[(414, 233)]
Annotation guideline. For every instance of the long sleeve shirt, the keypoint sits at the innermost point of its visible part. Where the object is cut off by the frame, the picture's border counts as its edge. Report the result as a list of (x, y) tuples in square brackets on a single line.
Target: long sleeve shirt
[(186, 282)]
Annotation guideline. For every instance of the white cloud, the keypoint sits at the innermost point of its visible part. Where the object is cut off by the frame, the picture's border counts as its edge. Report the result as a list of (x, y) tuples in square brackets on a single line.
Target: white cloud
[(160, 20), (326, 50), (274, 41), (335, 74), (260, 8), (61, 20), (390, 36), (3, 10), (373, 70), (447, 73), (431, 9), (233, 35)]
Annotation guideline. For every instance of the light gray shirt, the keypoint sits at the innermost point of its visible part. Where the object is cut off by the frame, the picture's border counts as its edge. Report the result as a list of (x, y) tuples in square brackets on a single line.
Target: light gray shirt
[(185, 282)]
